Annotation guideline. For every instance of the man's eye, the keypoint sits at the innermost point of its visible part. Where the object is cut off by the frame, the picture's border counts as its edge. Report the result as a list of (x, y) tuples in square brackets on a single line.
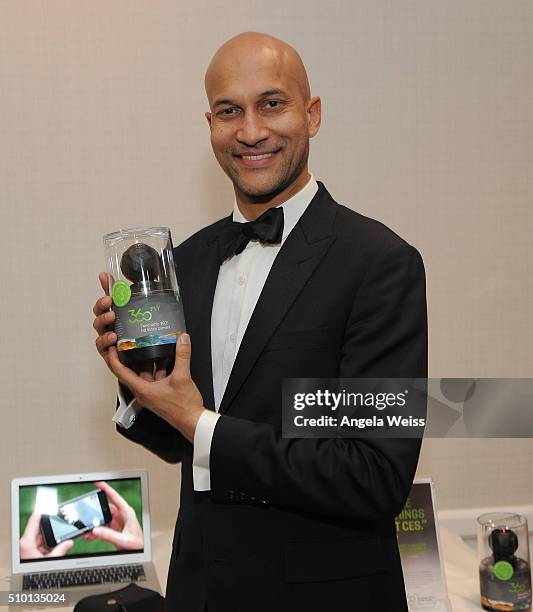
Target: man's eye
[(229, 111), (272, 103)]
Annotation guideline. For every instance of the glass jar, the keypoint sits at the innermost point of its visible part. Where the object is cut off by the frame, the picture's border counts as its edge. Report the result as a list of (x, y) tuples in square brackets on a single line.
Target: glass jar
[(145, 294), (504, 568)]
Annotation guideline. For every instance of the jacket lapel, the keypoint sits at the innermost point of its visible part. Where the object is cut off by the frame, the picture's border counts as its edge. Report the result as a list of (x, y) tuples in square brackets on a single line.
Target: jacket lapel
[(298, 258), (201, 291)]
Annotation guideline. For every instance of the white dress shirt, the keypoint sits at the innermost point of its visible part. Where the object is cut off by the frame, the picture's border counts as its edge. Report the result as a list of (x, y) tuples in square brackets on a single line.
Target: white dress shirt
[(240, 281)]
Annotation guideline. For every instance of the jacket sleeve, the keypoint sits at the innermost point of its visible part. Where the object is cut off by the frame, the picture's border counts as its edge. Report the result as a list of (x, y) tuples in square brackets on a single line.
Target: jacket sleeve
[(344, 479), (152, 432)]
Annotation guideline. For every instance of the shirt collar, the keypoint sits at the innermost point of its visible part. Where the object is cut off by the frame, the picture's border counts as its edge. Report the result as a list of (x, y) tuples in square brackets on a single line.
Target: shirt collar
[(293, 208)]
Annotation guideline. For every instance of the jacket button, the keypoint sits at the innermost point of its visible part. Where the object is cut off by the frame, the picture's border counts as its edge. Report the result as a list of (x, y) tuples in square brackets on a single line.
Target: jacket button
[(243, 496), (231, 495)]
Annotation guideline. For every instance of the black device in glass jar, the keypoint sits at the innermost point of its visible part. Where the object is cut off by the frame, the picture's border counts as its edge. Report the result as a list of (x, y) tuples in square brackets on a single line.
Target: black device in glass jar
[(145, 294)]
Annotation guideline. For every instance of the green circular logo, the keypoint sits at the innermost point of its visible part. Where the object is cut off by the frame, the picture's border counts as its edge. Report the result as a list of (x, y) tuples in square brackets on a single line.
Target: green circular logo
[(121, 293), (503, 570)]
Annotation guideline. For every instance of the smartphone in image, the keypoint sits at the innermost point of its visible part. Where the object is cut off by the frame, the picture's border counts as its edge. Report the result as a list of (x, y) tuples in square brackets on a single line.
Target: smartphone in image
[(76, 517)]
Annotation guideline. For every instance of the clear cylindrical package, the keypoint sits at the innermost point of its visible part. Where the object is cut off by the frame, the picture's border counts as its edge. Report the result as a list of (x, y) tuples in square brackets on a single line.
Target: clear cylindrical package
[(145, 293), (504, 567)]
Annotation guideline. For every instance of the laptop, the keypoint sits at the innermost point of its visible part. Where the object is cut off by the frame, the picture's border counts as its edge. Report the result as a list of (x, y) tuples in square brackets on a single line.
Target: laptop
[(80, 534)]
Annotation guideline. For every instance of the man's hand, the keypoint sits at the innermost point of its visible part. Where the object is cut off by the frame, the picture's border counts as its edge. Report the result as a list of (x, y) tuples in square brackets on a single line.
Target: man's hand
[(32, 544), (104, 319), (103, 322), (175, 398)]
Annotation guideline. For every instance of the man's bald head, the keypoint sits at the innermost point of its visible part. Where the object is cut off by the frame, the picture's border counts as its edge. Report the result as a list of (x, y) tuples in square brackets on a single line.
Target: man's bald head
[(251, 51), (261, 119)]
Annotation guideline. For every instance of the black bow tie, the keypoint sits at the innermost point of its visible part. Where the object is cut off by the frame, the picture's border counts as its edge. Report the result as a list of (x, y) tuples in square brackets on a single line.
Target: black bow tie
[(268, 228)]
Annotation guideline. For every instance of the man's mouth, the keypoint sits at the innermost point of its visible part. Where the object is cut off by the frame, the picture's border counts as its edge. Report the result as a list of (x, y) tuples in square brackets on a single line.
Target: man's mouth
[(263, 156), (256, 161)]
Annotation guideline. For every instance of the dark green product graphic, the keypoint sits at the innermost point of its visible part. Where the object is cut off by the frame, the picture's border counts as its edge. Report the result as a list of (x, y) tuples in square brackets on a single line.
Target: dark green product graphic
[(146, 299), (505, 578)]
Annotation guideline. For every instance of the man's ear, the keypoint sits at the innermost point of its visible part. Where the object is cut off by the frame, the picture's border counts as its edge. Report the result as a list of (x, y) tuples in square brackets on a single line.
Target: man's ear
[(314, 115), (208, 117)]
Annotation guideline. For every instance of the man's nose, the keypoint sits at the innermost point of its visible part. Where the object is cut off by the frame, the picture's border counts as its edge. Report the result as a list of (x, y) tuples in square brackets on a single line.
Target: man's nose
[(252, 129)]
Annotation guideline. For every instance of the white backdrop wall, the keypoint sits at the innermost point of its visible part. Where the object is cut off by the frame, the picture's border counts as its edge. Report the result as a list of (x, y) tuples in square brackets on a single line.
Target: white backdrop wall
[(428, 126)]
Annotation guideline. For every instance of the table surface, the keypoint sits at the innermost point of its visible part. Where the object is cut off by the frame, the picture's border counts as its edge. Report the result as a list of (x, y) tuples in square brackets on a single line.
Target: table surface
[(460, 566)]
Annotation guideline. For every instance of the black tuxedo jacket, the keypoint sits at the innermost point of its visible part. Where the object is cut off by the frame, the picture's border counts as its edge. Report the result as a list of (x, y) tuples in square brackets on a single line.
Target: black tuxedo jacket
[(297, 524)]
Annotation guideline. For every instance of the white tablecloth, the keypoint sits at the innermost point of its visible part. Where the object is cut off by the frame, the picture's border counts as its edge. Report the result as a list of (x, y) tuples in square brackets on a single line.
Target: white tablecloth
[(461, 569)]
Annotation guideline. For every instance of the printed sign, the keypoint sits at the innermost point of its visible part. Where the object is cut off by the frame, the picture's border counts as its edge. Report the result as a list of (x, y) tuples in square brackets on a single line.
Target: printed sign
[(418, 540)]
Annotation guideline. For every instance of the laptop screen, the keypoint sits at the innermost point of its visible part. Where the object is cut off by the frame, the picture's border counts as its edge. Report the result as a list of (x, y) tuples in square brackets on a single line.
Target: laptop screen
[(78, 520)]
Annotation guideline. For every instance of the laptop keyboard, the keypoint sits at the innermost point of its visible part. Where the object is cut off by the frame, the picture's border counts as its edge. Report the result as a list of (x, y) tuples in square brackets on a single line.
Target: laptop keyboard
[(83, 577)]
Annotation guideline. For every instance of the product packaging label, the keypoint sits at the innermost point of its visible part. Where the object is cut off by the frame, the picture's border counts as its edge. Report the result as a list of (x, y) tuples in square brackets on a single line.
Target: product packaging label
[(149, 321)]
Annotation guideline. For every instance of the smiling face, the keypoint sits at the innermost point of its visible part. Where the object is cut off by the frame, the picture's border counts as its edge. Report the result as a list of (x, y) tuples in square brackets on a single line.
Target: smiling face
[(261, 118)]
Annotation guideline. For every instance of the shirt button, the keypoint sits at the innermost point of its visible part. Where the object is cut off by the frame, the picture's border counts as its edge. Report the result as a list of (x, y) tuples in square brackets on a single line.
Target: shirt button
[(232, 337), (242, 279)]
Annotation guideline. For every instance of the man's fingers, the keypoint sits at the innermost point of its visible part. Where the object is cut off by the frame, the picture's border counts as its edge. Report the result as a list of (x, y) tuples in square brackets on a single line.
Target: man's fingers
[(160, 374), (102, 305), (126, 376), (104, 281), (161, 367), (102, 322), (105, 341)]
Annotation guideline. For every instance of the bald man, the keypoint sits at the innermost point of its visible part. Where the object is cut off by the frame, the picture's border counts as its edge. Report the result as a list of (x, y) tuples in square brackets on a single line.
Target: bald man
[(290, 285)]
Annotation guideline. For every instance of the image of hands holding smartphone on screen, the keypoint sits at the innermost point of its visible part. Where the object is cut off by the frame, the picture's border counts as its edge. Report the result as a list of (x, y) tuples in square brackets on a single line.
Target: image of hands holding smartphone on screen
[(123, 530), (32, 543), (101, 514)]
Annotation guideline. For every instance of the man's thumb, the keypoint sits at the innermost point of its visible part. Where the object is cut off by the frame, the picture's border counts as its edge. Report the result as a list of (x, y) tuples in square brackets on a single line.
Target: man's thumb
[(183, 355)]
